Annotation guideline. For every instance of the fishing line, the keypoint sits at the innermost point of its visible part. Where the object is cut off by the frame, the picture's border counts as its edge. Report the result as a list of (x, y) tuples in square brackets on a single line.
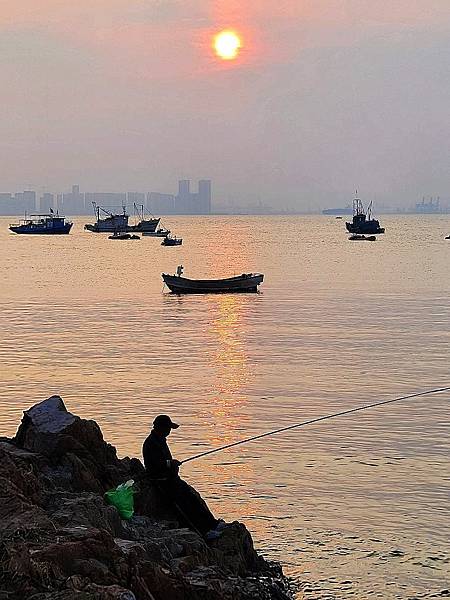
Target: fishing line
[(316, 420)]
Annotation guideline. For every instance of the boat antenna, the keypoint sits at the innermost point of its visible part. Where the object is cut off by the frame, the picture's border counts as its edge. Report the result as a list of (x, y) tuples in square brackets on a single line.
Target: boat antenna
[(316, 420)]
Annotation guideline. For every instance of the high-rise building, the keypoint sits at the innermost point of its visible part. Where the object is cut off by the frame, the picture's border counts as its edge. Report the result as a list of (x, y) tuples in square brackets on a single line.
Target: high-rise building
[(7, 204), (188, 203), (72, 203), (161, 204), (204, 196), (112, 201), (29, 201), (183, 187), (183, 198), (20, 203), (46, 202), (137, 198)]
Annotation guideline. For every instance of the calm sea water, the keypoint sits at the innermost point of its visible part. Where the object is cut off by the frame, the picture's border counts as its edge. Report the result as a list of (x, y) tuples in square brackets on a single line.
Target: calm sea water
[(356, 507)]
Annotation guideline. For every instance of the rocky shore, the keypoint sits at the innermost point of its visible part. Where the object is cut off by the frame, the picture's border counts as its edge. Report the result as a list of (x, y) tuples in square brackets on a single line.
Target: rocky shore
[(60, 540)]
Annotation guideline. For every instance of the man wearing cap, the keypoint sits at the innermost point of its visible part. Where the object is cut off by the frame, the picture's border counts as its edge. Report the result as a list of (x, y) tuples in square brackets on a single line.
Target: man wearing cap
[(163, 470)]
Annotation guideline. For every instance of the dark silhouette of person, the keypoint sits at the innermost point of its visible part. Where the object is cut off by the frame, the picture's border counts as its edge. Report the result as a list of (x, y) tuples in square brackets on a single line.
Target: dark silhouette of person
[(162, 469)]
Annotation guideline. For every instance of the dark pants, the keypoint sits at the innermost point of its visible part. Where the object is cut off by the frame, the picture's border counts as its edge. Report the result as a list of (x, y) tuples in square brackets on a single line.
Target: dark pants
[(188, 503)]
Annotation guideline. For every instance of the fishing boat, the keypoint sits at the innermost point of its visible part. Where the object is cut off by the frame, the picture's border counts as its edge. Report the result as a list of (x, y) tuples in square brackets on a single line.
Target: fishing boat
[(356, 237), (247, 282), (145, 224), (109, 224), (51, 224), (161, 232), (361, 223), (117, 235), (171, 241)]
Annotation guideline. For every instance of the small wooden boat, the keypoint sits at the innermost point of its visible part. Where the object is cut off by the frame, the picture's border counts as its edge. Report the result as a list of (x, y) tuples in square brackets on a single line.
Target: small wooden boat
[(158, 233), (247, 282), (171, 241), (123, 236), (356, 237)]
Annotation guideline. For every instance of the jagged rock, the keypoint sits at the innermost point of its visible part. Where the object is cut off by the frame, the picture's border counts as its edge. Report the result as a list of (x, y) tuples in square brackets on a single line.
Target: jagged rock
[(70, 443), (20, 494), (84, 509), (236, 551), (59, 540)]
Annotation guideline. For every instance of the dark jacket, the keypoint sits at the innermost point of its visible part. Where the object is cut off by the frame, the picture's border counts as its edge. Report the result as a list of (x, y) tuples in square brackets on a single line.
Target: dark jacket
[(157, 455)]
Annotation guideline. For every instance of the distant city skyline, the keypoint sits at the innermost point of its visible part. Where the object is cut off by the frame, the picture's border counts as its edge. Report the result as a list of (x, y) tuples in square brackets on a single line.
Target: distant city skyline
[(76, 202), (184, 202)]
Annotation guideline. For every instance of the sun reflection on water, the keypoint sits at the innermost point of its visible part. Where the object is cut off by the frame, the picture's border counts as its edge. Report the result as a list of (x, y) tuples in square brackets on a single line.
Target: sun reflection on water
[(228, 359)]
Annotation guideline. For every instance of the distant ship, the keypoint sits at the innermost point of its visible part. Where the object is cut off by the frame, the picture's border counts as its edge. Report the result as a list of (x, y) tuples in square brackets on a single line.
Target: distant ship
[(50, 224), (118, 223), (360, 223), (347, 210)]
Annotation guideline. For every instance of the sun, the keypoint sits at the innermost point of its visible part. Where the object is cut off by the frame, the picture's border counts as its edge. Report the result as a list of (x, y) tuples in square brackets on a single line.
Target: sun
[(227, 45)]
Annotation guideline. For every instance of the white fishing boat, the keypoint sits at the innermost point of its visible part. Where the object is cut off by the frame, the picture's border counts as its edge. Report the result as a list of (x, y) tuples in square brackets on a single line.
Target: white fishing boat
[(161, 232)]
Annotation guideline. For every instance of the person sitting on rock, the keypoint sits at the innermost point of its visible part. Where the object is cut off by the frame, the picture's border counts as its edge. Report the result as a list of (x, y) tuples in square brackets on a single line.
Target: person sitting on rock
[(162, 469)]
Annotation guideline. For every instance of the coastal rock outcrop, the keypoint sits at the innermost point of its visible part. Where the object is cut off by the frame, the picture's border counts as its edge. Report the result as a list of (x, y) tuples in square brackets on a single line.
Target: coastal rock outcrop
[(59, 540)]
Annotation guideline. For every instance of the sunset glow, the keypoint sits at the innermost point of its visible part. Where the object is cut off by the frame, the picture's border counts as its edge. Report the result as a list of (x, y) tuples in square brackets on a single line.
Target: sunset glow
[(227, 45)]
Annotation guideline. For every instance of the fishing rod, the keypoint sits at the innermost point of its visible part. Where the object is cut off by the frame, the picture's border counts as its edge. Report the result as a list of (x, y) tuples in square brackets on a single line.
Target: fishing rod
[(316, 420)]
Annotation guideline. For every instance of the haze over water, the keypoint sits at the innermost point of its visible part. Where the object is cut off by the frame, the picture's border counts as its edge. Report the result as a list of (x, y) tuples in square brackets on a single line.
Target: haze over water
[(354, 507)]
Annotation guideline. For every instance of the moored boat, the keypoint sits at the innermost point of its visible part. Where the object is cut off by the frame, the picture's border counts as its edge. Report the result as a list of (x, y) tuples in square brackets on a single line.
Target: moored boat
[(171, 241), (109, 224), (361, 223), (161, 232), (356, 237), (47, 224), (123, 236), (145, 224), (247, 282)]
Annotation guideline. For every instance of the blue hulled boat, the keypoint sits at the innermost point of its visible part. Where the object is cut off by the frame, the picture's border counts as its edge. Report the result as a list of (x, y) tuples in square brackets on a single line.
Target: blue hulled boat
[(42, 225)]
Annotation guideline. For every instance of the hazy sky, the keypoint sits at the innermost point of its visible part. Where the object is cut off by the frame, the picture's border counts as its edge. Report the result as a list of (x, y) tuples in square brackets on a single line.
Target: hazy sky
[(325, 96)]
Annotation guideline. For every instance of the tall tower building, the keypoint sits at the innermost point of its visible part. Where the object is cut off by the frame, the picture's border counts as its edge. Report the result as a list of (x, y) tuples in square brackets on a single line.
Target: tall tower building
[(183, 188), (183, 199), (204, 196), (72, 203), (46, 202)]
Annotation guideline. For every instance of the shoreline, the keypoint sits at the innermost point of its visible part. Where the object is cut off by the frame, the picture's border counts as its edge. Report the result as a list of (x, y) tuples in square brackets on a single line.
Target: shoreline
[(60, 540)]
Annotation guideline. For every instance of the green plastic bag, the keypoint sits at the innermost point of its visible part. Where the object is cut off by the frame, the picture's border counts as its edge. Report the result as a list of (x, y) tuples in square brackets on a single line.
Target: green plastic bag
[(122, 499)]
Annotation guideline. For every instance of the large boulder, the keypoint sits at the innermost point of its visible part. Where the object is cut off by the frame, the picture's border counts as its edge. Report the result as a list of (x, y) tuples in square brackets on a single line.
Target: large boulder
[(235, 551), (75, 447)]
